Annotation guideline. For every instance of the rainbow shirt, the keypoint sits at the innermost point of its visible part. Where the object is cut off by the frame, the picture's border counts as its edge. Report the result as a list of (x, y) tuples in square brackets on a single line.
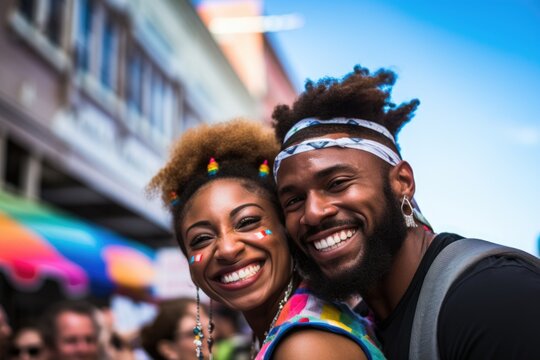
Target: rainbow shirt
[(305, 310)]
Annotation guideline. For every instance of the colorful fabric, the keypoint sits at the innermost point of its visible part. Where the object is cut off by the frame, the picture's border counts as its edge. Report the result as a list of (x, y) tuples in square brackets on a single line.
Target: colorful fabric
[(305, 310)]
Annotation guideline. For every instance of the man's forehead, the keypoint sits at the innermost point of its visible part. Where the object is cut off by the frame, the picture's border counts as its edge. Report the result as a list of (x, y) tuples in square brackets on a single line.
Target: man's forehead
[(316, 165)]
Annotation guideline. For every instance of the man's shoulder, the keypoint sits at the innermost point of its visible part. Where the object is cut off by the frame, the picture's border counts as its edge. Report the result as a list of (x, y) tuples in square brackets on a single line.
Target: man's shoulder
[(492, 310)]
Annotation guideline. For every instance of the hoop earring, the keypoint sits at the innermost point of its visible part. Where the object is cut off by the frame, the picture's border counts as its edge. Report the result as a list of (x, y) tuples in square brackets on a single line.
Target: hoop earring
[(197, 330), (407, 207)]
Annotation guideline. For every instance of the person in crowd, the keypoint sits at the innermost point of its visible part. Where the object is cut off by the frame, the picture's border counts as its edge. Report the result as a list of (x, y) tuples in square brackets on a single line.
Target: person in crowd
[(349, 204), (27, 343), (220, 190), (71, 330), (232, 342), (170, 335), (5, 331)]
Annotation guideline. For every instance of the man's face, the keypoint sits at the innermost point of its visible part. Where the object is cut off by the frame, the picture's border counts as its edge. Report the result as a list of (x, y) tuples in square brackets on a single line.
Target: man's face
[(76, 337), (343, 216)]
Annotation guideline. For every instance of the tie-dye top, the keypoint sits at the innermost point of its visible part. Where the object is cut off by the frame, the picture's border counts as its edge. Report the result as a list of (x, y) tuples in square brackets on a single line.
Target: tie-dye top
[(305, 310)]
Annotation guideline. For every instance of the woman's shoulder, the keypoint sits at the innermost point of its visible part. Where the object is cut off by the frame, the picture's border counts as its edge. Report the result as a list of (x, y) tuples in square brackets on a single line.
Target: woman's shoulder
[(316, 344)]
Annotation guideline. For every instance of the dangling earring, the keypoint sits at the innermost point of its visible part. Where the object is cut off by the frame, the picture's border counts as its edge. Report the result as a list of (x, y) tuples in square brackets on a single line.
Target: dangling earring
[(211, 326), (407, 207), (197, 330)]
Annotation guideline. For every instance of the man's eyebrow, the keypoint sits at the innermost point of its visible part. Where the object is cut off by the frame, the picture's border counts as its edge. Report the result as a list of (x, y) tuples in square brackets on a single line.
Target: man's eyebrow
[(319, 175), (330, 170)]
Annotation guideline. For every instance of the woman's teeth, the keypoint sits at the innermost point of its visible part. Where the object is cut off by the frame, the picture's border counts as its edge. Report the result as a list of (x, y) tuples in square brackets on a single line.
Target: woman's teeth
[(332, 241), (241, 274)]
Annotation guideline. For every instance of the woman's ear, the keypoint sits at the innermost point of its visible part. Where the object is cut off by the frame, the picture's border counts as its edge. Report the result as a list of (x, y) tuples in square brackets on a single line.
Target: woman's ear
[(401, 179), (167, 350)]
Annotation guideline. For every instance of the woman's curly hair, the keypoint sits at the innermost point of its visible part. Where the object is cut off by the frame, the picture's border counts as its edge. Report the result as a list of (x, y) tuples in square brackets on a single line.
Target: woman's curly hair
[(359, 94), (239, 146)]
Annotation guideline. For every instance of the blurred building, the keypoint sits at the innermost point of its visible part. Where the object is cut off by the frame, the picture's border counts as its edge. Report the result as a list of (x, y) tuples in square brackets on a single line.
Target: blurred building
[(243, 31), (91, 95)]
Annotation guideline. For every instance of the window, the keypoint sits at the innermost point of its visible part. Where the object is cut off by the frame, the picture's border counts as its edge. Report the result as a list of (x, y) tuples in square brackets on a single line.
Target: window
[(53, 21), (109, 55), (84, 35), (156, 108), (134, 82), (46, 16), (27, 9)]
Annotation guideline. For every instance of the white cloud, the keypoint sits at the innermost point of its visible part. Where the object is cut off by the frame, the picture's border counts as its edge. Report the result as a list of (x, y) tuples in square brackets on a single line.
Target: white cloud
[(528, 136)]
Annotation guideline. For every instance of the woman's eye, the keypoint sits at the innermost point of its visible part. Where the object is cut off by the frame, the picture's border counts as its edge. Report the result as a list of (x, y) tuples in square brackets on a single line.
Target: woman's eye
[(199, 241), (247, 221)]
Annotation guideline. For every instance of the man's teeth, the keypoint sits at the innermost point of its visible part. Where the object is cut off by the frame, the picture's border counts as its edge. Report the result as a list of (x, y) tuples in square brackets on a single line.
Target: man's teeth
[(241, 274), (332, 241)]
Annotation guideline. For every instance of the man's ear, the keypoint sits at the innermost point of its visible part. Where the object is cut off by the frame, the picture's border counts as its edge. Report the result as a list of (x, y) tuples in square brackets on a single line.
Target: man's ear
[(401, 179), (166, 349)]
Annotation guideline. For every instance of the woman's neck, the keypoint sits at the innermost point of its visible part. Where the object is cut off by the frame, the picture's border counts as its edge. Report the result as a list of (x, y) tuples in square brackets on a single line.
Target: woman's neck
[(263, 318)]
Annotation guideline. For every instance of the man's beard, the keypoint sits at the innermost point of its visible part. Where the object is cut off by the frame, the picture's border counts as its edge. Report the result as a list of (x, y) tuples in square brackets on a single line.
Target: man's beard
[(380, 248)]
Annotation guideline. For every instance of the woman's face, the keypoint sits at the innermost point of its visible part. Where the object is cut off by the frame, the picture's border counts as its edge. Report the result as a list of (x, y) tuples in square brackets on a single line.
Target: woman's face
[(28, 345), (236, 245)]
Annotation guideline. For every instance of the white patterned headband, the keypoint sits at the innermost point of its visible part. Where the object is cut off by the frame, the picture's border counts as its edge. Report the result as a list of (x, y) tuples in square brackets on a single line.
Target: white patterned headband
[(373, 147), (304, 123)]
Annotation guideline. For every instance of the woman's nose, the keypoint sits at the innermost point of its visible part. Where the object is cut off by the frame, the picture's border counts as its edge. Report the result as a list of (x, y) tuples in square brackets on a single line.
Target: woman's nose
[(229, 247)]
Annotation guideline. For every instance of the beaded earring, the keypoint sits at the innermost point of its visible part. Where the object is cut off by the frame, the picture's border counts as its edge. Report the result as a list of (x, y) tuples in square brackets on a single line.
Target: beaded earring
[(211, 326), (197, 330)]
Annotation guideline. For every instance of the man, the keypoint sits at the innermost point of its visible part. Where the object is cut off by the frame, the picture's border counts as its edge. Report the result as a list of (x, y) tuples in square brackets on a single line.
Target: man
[(71, 331), (348, 199)]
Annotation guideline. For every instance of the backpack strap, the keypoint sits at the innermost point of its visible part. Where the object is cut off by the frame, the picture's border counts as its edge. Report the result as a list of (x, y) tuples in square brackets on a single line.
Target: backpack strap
[(449, 264)]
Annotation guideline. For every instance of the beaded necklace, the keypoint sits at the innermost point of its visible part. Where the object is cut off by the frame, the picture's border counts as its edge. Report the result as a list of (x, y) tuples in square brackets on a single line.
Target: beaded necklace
[(281, 304)]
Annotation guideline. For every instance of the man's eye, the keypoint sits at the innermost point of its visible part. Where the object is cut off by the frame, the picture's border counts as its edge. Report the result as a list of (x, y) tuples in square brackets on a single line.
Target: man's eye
[(247, 221), (336, 184), (292, 202)]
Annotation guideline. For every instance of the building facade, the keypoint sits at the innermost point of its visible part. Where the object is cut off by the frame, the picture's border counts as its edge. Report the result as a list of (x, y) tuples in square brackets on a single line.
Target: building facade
[(93, 92)]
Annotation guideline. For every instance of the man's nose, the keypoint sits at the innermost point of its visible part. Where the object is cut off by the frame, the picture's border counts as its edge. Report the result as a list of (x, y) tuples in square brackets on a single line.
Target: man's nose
[(316, 208)]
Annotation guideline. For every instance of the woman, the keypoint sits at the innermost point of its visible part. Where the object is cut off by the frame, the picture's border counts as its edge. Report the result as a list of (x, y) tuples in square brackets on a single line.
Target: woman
[(229, 225), (170, 335), (27, 344)]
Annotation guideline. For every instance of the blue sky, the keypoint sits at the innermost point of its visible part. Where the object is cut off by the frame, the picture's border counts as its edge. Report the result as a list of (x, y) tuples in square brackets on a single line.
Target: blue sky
[(475, 67)]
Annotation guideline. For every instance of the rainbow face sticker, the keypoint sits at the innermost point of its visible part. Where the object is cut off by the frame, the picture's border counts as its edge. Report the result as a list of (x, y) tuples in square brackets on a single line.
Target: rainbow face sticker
[(261, 234), (195, 258)]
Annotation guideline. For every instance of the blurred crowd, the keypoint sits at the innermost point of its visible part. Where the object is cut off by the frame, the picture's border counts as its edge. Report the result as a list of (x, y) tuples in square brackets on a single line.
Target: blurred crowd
[(81, 330)]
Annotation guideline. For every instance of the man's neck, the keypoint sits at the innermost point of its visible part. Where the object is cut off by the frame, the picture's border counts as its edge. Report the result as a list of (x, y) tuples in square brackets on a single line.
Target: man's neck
[(384, 298)]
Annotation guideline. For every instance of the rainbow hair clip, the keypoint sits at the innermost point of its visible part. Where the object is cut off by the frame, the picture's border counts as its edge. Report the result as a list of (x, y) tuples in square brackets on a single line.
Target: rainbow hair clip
[(195, 258), (264, 169), (261, 234), (174, 198), (213, 167)]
